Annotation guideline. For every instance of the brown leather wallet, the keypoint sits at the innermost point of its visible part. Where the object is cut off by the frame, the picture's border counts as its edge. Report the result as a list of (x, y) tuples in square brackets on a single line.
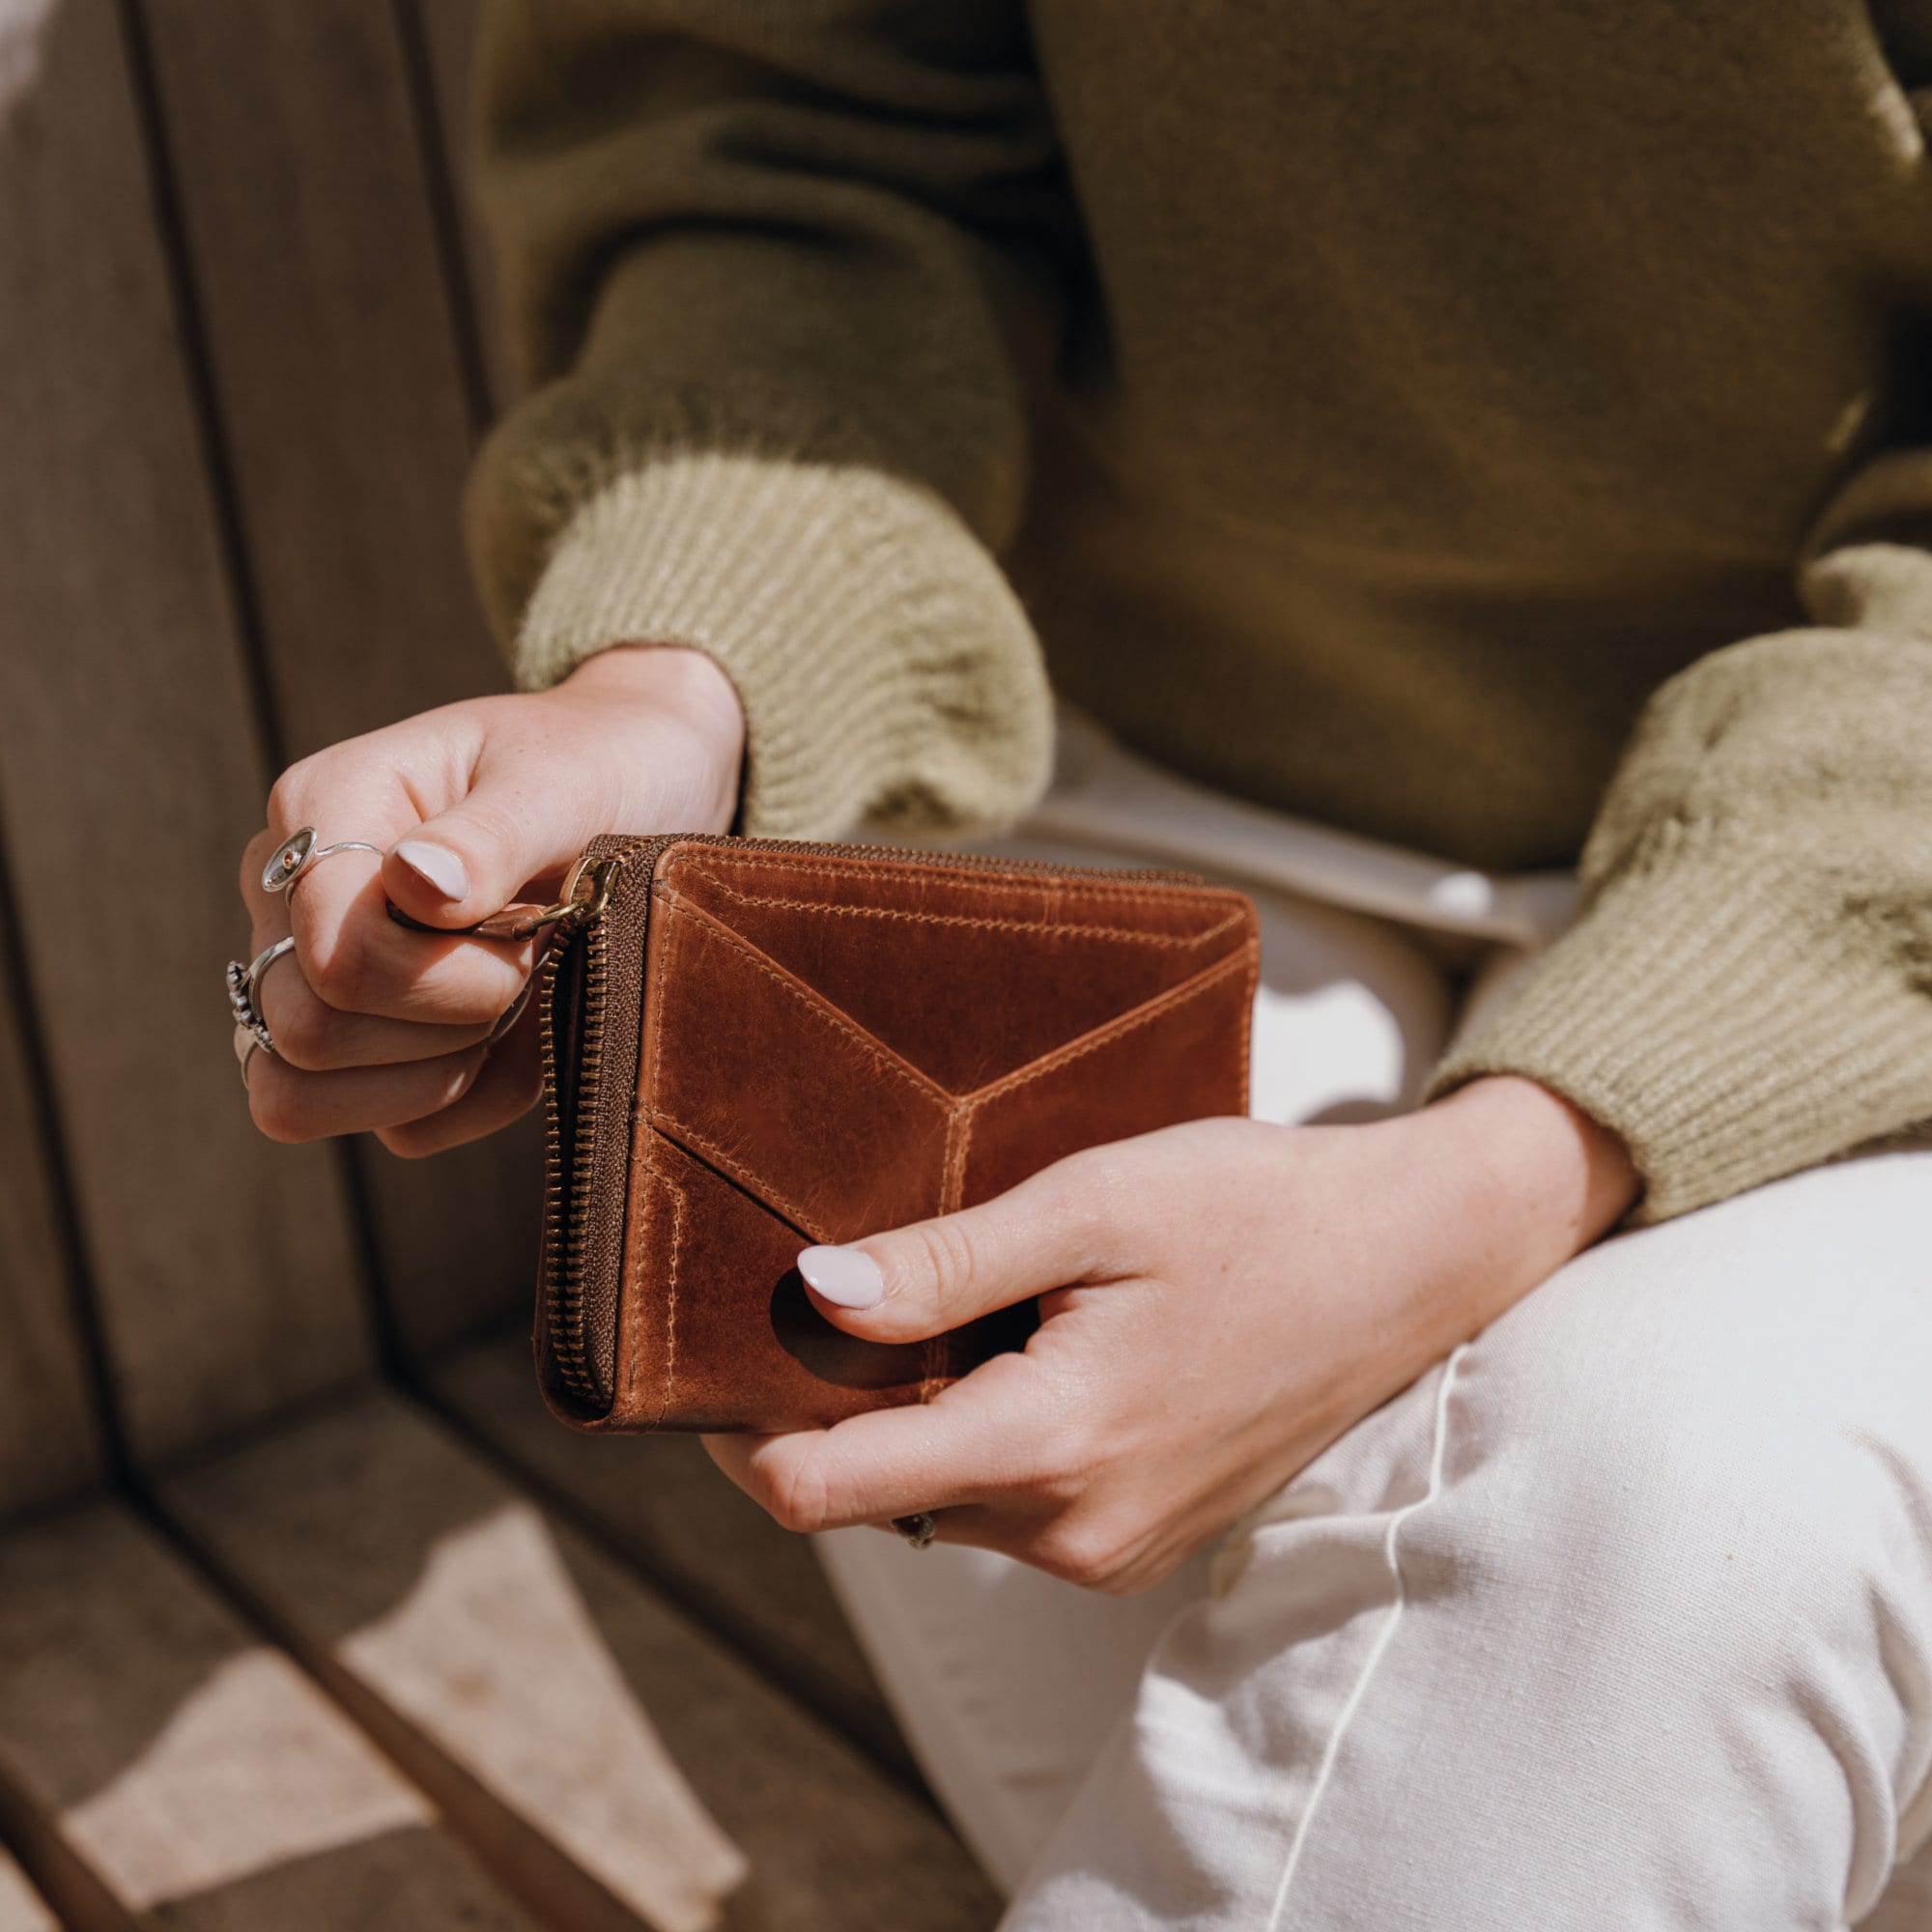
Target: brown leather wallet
[(751, 1044)]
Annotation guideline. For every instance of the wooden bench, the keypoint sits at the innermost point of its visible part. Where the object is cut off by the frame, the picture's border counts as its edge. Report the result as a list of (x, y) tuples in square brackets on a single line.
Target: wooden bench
[(309, 1616)]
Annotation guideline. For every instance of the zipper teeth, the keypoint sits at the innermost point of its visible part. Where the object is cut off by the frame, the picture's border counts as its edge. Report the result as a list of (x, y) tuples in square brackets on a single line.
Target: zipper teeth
[(566, 1226), (567, 1216)]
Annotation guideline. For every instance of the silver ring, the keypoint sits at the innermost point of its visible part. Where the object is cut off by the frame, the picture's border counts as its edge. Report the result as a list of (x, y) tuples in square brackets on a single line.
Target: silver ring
[(298, 852), (918, 1529), (259, 966), (242, 983)]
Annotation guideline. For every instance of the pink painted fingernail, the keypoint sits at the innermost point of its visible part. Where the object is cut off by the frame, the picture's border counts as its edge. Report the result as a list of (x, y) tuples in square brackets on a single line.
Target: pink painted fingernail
[(436, 866), (847, 1276)]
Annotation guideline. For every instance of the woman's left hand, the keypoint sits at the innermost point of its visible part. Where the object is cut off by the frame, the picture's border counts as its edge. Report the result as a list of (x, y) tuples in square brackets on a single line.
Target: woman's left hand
[(1218, 1302)]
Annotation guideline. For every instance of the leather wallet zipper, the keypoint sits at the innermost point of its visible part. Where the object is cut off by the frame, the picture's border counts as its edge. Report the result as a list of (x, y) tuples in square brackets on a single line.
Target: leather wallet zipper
[(576, 968)]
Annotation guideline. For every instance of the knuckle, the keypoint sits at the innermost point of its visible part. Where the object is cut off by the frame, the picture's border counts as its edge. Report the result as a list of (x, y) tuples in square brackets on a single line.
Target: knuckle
[(412, 1140), (1066, 1461), (949, 1257), (275, 1104), (288, 797), (307, 1036), (254, 856), (339, 971), (793, 1494), (1083, 1551)]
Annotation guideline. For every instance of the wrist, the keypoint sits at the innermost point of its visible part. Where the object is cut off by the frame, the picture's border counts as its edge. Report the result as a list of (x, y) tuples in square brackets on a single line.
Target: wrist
[(674, 683), (1527, 1181)]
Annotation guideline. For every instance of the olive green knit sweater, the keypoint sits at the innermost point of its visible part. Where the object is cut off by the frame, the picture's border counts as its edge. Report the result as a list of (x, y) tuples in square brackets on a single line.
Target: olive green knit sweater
[(1497, 430)]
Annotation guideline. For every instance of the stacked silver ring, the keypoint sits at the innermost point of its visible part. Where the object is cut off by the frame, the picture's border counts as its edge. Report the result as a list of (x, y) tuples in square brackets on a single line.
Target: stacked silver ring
[(244, 987), (298, 854)]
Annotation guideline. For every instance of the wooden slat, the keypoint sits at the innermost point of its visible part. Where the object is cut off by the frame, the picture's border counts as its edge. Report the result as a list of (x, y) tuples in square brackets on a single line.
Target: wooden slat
[(22, 1908), (313, 250), (450, 32), (551, 1702), (129, 773), (49, 1440), (660, 1501), (161, 1767)]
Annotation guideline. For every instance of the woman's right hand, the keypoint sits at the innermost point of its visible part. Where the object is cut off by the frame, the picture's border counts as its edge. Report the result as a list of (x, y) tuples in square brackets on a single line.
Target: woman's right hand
[(476, 804)]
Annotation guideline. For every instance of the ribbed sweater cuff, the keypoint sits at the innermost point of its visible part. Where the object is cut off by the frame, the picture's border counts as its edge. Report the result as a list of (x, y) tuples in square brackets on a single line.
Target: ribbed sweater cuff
[(1732, 1026), (886, 668)]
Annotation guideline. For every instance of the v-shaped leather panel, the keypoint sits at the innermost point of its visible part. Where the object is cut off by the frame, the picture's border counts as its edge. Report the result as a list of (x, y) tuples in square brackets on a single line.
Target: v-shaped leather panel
[(928, 965)]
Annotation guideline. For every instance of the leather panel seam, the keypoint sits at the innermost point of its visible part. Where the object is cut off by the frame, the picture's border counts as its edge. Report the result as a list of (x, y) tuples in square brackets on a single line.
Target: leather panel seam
[(987, 922), (975, 878), (810, 998), (1144, 1014)]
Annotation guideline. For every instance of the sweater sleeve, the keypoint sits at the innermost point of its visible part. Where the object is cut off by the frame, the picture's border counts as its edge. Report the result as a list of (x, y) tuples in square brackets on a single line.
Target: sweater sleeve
[(777, 279), (1749, 990)]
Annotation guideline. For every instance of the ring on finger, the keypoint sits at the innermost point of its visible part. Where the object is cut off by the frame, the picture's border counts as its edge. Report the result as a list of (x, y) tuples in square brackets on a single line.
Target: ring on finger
[(243, 987), (298, 854), (918, 1529)]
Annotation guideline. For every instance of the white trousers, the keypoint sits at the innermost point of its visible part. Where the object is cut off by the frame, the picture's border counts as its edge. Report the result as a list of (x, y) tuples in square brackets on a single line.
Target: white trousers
[(1620, 1617)]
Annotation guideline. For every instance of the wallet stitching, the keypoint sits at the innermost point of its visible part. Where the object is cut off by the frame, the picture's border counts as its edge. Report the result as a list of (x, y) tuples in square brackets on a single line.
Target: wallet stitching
[(816, 1002), (654, 1172), (1142, 1016), (672, 1128), (969, 876), (958, 1136), (671, 1293), (986, 921)]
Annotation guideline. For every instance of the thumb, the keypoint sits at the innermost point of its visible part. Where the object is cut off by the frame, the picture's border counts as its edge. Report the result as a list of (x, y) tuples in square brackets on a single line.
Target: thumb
[(514, 825), (929, 1276)]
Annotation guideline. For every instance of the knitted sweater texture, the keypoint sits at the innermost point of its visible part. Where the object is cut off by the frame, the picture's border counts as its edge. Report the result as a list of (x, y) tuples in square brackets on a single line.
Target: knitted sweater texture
[(1503, 430)]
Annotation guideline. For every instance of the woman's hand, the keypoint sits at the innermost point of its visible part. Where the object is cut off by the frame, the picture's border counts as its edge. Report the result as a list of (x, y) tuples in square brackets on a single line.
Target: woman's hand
[(1219, 1301), (476, 805)]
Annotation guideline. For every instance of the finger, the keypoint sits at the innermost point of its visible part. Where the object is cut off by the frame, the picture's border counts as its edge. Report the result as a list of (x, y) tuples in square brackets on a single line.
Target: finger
[(929, 1276), (314, 1038), (984, 1438), (507, 1086), (509, 829), (291, 1106), (356, 960)]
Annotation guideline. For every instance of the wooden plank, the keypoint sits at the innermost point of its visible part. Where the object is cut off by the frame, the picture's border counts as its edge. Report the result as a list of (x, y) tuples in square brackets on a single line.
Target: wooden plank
[(22, 1908), (313, 253), (49, 1440), (550, 1701), (448, 29), (661, 1503), (130, 773), (161, 1767)]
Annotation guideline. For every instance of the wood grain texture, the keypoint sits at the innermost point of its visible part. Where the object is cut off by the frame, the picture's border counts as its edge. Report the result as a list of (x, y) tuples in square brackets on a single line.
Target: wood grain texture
[(161, 1767), (130, 773), (555, 1707), (49, 1437), (449, 35), (313, 245), (660, 1501)]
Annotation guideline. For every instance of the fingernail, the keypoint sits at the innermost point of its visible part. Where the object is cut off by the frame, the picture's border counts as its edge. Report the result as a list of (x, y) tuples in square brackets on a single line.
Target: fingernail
[(438, 865), (848, 1277)]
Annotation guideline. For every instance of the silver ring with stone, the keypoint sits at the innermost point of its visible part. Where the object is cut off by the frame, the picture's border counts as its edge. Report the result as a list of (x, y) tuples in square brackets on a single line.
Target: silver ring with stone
[(918, 1529), (298, 853)]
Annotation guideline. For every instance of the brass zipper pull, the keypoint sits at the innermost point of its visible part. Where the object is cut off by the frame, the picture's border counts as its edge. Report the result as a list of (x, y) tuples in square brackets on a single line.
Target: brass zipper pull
[(587, 891)]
